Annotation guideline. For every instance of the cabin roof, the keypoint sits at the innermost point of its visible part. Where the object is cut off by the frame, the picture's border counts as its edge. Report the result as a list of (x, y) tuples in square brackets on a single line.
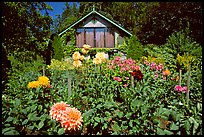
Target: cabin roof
[(95, 12)]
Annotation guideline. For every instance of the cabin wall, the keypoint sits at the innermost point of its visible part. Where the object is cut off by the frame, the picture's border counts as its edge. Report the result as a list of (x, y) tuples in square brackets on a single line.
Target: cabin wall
[(98, 34)]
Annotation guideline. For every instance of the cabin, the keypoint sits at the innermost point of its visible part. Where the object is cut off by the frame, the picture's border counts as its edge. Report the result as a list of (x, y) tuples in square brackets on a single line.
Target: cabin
[(98, 31)]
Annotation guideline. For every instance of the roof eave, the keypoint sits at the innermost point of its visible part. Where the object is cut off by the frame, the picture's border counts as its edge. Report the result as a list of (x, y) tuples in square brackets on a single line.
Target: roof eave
[(99, 15)]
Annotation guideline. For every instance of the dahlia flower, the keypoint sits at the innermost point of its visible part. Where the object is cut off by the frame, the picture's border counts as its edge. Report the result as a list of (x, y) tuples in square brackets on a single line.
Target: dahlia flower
[(71, 119), (84, 51), (97, 61), (44, 81), (57, 110), (33, 84), (178, 88), (76, 55), (101, 55), (166, 72), (86, 47), (184, 89), (81, 57), (77, 63)]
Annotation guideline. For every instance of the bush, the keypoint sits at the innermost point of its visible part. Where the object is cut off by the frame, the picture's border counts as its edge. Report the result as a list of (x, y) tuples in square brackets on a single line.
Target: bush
[(180, 42), (57, 48), (135, 49)]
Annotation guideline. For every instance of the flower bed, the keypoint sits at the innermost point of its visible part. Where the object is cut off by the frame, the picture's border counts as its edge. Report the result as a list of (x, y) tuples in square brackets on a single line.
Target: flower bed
[(104, 97)]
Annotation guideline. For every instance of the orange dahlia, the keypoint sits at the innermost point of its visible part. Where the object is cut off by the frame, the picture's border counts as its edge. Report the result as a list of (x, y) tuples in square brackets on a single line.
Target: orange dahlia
[(71, 119), (57, 110), (166, 72)]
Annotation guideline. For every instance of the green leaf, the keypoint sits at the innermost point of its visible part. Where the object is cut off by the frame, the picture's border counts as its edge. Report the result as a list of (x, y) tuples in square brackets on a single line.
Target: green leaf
[(7, 129), (99, 106), (105, 126), (115, 127), (187, 125), (31, 127), (25, 122), (87, 114), (9, 119), (40, 108), (17, 102), (168, 132), (12, 132), (195, 126), (61, 131), (131, 123), (160, 131), (97, 119), (33, 117), (24, 111), (33, 107), (40, 125), (173, 126)]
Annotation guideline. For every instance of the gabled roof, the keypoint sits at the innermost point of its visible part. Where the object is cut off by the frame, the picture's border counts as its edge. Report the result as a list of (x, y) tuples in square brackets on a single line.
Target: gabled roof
[(95, 12)]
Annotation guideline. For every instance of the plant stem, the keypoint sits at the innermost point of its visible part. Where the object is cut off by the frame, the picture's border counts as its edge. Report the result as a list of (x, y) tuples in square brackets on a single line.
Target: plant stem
[(43, 70), (180, 72), (69, 86), (188, 84), (132, 81)]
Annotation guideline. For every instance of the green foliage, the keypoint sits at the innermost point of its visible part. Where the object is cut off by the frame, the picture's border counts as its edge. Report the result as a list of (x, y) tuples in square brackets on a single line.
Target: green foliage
[(68, 41), (135, 49), (24, 28), (57, 48), (180, 43), (163, 20)]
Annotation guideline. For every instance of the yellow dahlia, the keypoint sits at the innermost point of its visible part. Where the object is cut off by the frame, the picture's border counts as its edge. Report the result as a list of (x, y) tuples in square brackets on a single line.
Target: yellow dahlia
[(81, 57), (76, 55), (77, 63), (33, 84), (101, 55), (86, 47), (44, 81), (57, 110), (97, 61), (71, 119), (84, 51)]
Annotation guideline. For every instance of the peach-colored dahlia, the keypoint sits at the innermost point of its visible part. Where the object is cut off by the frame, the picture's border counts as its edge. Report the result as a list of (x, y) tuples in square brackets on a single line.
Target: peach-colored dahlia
[(72, 119), (57, 110)]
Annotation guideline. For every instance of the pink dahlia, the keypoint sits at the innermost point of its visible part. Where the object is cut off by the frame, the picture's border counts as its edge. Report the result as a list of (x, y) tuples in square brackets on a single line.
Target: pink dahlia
[(184, 89), (178, 88)]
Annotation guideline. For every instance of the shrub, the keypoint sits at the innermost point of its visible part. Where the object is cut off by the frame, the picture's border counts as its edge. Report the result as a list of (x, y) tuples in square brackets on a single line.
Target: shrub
[(135, 49), (57, 48)]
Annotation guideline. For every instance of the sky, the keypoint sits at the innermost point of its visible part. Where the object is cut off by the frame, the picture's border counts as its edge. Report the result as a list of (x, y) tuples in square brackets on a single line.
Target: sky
[(57, 8)]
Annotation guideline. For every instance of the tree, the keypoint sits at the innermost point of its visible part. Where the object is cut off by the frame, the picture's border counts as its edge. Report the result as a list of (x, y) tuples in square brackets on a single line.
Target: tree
[(169, 17), (25, 28), (68, 17)]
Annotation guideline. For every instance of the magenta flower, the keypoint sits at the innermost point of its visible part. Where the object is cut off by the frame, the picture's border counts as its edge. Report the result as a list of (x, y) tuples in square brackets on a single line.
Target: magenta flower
[(125, 85), (146, 63), (120, 65), (153, 65), (117, 58), (122, 69), (178, 88), (184, 89), (117, 79), (159, 67), (156, 76)]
